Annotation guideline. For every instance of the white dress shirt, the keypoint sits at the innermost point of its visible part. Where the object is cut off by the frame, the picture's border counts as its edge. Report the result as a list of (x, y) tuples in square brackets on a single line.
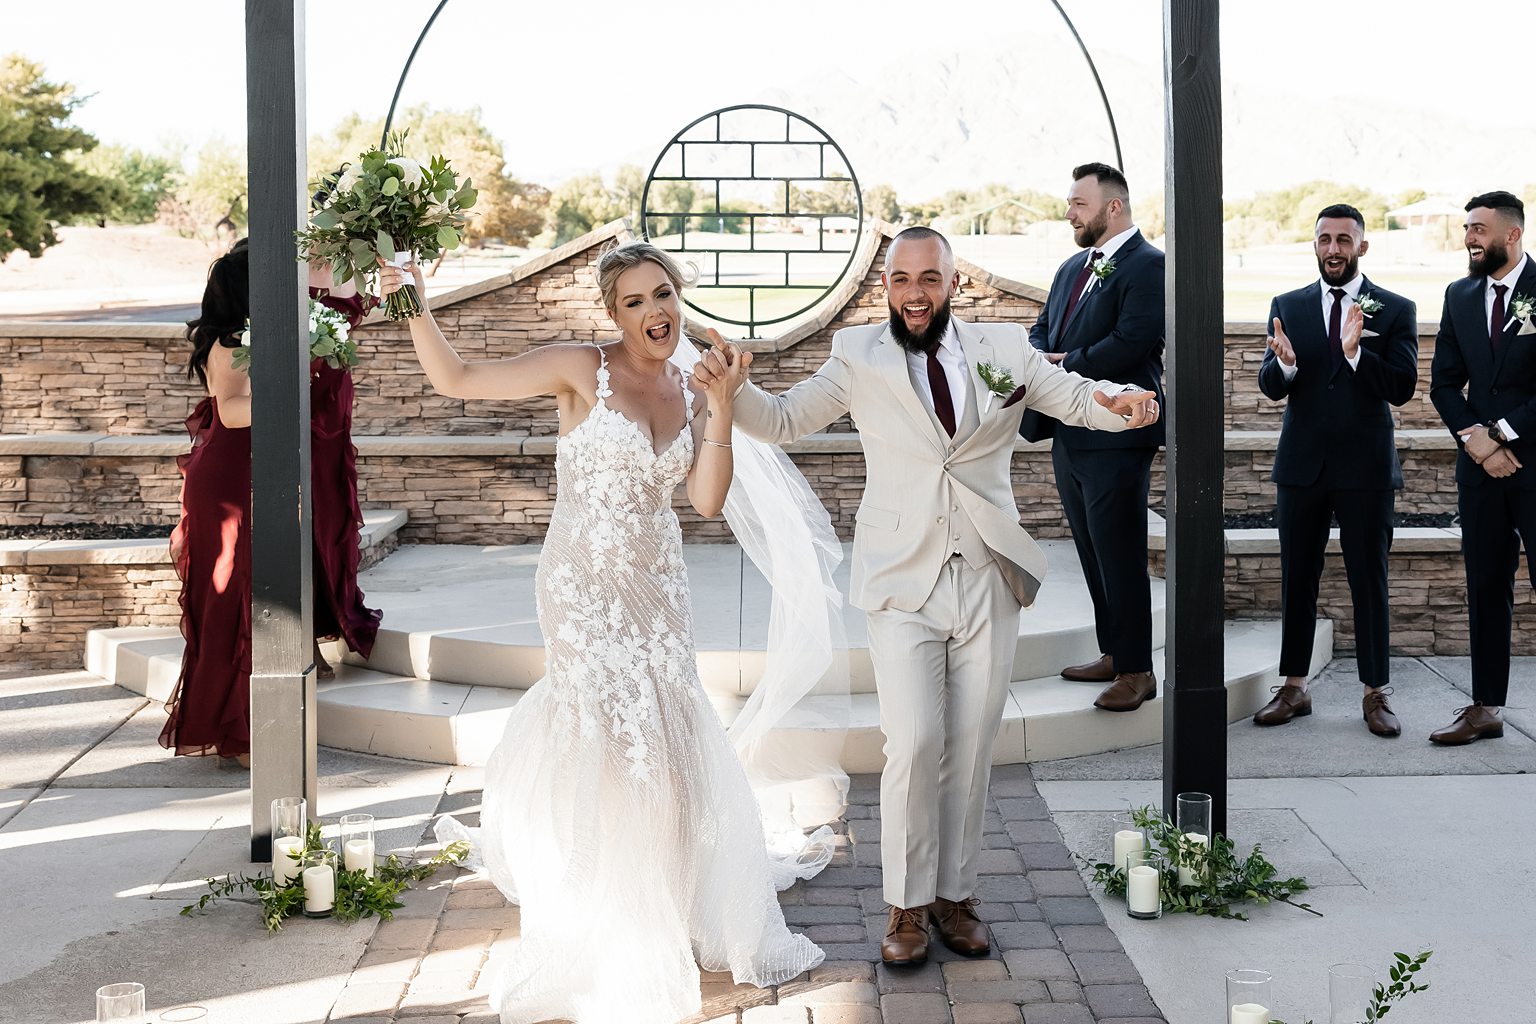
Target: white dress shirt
[(1109, 248), (1351, 294), (952, 359), (1489, 295)]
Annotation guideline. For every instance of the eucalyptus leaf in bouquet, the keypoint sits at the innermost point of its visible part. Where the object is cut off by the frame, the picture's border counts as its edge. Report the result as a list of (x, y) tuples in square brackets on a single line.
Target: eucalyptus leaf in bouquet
[(387, 206)]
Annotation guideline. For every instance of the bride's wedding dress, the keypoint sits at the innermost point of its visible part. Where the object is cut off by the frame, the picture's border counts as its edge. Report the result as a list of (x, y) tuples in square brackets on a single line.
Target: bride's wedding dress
[(616, 812)]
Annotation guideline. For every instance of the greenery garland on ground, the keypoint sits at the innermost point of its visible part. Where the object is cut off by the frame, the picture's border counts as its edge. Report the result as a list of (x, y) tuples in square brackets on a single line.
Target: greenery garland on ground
[(1223, 882), (1403, 984), (357, 895)]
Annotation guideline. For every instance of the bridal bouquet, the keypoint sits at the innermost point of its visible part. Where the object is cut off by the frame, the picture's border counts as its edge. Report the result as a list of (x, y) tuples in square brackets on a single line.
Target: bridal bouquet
[(328, 340), (391, 207)]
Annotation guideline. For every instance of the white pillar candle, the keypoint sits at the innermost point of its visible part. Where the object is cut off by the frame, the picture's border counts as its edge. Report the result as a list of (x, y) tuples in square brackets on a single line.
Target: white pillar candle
[(1196, 846), (1127, 842), (1141, 894), (357, 855), (319, 889), (1250, 1013), (284, 867)]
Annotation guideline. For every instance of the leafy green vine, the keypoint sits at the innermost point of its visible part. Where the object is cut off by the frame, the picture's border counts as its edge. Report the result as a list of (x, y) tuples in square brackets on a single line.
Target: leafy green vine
[(357, 895), (1223, 880)]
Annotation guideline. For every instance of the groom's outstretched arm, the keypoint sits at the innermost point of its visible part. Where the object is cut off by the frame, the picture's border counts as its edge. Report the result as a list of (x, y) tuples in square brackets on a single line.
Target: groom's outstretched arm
[(1064, 395), (803, 409)]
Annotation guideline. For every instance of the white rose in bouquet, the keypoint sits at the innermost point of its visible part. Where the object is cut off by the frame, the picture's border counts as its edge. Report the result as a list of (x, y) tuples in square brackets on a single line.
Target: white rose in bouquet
[(410, 170), (349, 178)]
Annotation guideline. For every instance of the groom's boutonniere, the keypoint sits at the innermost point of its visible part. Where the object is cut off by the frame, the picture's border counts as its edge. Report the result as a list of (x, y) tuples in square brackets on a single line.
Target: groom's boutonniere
[(999, 382), (1103, 267), (1368, 304), (1523, 307)]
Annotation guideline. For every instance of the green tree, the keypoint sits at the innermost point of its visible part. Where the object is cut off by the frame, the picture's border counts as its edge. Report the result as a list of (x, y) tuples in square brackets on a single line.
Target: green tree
[(41, 185), (209, 203), (880, 202), (1292, 212), (508, 209), (145, 179)]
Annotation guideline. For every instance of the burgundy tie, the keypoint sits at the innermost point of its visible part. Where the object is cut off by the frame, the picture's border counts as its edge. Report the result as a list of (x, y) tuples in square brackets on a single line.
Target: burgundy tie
[(938, 383), (1079, 284), (1335, 318), (1496, 322)]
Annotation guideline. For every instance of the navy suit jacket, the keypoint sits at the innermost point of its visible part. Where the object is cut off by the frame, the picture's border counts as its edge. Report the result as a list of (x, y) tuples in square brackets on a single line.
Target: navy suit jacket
[(1338, 430), (1469, 386), (1115, 333)]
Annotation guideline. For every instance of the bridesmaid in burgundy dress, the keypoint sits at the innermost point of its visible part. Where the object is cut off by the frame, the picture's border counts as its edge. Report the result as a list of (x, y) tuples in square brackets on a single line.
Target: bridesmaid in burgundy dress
[(211, 546), (337, 518), (209, 713)]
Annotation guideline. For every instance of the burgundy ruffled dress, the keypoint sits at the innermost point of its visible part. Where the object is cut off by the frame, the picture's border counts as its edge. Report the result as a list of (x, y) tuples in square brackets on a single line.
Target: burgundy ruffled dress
[(209, 712)]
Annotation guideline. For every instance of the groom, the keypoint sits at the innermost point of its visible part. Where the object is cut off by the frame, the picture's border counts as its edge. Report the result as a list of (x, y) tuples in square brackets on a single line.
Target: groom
[(940, 563)]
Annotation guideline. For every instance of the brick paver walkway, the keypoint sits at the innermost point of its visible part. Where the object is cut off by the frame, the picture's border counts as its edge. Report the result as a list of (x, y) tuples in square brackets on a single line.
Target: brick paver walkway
[(1054, 961)]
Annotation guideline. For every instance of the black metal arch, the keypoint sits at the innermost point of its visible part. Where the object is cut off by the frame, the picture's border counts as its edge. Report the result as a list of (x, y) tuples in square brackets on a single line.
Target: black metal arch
[(679, 144), (1092, 68)]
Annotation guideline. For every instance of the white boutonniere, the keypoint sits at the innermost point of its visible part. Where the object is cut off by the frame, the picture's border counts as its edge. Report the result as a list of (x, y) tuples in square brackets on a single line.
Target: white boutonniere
[(999, 382), (1103, 267), (1522, 308), (1368, 303)]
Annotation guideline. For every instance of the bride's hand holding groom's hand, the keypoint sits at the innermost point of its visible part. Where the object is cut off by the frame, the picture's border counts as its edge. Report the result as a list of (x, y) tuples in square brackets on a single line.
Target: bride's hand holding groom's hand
[(722, 370), (1138, 407)]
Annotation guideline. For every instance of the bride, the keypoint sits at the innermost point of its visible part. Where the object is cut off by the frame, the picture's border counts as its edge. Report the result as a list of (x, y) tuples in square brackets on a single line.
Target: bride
[(616, 812)]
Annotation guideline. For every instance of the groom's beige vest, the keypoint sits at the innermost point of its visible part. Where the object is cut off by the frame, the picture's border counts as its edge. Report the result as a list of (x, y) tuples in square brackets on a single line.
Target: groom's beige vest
[(928, 496)]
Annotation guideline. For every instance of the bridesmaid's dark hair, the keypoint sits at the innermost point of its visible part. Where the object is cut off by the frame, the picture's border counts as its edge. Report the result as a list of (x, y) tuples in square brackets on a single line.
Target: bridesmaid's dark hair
[(226, 305)]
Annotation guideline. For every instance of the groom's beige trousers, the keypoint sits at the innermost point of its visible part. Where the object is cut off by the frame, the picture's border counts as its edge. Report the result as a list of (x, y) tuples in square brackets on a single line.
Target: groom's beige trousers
[(942, 675)]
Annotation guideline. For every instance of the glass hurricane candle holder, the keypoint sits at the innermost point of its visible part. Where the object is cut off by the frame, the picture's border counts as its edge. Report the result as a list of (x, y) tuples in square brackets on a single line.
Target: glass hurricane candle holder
[(120, 1004), (1144, 885), (319, 883), (1193, 818), (290, 819), (1250, 997), (1350, 988), (357, 842), (1125, 837)]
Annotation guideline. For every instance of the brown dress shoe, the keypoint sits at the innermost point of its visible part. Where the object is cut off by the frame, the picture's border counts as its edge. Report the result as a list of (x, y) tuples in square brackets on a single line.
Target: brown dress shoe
[(906, 936), (1099, 670), (1473, 722), (1289, 702), (1129, 691), (1378, 715), (960, 928)]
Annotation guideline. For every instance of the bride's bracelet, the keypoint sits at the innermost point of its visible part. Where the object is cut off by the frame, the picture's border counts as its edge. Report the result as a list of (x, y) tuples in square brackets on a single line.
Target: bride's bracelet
[(717, 444)]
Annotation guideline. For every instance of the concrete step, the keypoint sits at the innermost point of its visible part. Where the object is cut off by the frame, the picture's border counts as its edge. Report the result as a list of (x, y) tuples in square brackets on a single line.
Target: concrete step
[(463, 614)]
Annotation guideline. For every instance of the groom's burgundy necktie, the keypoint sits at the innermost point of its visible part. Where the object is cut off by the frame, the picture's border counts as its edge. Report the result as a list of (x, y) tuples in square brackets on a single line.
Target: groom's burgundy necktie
[(938, 383), (1335, 318), (1079, 284), (1496, 321)]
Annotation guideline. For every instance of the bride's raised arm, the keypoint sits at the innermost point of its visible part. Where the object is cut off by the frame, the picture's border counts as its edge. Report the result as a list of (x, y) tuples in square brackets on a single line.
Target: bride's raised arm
[(546, 370)]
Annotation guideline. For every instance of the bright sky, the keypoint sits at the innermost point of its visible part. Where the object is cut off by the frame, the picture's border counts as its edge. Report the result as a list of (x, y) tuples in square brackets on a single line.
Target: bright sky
[(571, 86)]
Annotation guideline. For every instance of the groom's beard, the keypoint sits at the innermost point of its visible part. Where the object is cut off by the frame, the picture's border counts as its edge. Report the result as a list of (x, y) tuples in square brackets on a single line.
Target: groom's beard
[(924, 340), (1495, 255)]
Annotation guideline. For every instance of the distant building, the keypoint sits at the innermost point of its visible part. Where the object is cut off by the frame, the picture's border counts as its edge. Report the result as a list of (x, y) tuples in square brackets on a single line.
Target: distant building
[(1434, 222)]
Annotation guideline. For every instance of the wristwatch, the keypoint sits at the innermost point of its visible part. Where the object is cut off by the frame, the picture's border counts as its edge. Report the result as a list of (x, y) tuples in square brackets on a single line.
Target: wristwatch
[(1497, 434)]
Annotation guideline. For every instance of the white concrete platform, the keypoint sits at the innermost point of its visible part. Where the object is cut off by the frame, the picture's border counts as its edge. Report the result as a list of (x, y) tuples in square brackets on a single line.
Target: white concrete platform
[(461, 646)]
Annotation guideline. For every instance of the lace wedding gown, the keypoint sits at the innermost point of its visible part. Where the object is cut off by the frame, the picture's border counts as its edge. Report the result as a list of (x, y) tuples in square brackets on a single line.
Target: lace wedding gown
[(615, 810)]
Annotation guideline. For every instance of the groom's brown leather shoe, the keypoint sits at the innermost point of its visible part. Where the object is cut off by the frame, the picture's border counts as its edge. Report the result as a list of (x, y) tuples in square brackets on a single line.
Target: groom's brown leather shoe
[(1099, 670), (1289, 702), (1473, 722), (960, 928), (1129, 691), (906, 937), (1378, 714)]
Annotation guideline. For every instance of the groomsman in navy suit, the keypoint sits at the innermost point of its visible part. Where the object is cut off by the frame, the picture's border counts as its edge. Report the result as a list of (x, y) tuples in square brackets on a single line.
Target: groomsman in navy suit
[(1343, 351), (1483, 384), (1104, 319)]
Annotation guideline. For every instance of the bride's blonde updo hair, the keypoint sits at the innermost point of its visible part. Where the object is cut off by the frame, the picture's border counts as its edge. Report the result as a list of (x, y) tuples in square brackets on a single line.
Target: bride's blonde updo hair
[(614, 261)]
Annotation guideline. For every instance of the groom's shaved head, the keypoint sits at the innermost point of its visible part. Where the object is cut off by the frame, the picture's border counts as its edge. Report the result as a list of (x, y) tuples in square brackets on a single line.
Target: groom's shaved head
[(919, 233)]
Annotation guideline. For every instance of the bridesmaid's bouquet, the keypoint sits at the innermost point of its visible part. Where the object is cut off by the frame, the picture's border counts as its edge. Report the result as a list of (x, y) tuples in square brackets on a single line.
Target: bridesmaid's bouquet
[(328, 339), (387, 206)]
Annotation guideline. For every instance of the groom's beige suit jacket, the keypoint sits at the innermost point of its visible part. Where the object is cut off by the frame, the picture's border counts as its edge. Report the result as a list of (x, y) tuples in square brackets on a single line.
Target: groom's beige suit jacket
[(928, 496)]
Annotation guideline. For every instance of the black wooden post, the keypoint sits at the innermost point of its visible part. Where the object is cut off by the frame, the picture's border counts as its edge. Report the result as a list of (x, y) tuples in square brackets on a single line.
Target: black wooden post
[(1195, 700), (282, 670)]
